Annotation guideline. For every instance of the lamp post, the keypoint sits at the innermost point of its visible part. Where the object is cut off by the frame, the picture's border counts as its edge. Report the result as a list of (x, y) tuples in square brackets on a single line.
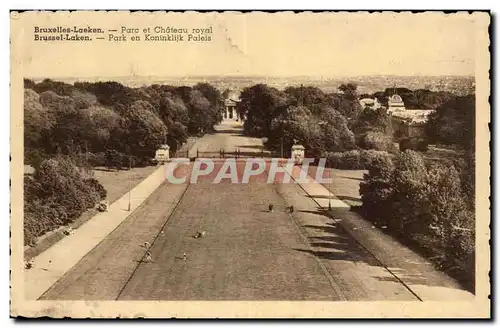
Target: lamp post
[(329, 192), (129, 183), (281, 148), (129, 191), (322, 123)]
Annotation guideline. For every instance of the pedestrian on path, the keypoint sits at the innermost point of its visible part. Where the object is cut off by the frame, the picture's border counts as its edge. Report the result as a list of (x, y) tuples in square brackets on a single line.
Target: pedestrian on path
[(184, 256), (271, 207), (291, 209), (148, 257)]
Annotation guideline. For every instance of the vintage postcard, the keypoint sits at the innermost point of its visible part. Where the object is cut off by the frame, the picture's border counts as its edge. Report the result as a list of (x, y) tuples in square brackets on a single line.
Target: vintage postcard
[(250, 164)]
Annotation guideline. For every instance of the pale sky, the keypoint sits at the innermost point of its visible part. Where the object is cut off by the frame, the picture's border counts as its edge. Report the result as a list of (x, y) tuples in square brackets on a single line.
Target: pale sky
[(281, 44)]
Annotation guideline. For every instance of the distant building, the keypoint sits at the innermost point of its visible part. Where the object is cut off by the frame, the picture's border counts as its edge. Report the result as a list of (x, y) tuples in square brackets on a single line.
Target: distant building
[(410, 122), (370, 103), (395, 103), (407, 122), (230, 104)]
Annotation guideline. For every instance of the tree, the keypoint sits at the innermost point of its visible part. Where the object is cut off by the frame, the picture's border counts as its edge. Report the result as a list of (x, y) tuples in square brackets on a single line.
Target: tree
[(349, 90), (175, 115), (202, 116), (59, 105), (454, 122), (56, 195), (36, 118), (347, 103), (317, 134), (258, 104), (335, 130), (145, 131), (111, 94), (409, 182), (60, 88), (102, 128), (83, 99), (373, 120), (293, 125), (38, 121), (29, 84), (307, 96), (377, 141), (210, 93)]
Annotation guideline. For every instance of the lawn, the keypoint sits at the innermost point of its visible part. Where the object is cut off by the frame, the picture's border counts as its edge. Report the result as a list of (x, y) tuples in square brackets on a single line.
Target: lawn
[(344, 185), (117, 182)]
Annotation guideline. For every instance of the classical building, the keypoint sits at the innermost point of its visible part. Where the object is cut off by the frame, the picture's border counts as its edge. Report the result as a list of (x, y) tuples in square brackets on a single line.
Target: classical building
[(395, 104), (407, 122), (230, 104), (410, 123), (370, 103)]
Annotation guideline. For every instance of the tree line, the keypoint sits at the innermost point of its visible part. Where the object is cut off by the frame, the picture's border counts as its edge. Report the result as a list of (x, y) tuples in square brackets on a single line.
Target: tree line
[(336, 122), (110, 118)]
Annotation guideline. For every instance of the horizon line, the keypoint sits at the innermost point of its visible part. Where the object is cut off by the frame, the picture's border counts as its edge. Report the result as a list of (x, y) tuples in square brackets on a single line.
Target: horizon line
[(320, 77)]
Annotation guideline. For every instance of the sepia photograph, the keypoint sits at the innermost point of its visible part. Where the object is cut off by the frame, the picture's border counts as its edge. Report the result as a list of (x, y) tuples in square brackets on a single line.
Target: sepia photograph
[(250, 164)]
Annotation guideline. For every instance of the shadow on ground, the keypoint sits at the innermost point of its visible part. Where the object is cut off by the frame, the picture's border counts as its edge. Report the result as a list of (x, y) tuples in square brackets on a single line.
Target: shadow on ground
[(250, 146), (349, 198), (321, 196), (233, 132), (317, 212), (351, 178), (330, 241), (334, 244)]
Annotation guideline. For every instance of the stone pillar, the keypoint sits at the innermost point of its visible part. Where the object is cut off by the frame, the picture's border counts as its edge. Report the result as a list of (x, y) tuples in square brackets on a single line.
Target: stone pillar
[(298, 152)]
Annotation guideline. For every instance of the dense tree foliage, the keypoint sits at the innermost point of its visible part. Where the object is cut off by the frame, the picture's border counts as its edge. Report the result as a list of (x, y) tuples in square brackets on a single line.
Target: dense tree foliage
[(108, 117), (426, 204), (454, 122), (303, 115), (145, 130), (56, 195), (259, 104), (373, 120), (413, 99)]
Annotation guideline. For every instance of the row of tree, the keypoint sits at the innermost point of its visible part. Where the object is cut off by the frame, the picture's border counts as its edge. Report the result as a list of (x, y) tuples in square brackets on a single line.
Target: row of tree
[(430, 205), (62, 118), (322, 122), (335, 122), (415, 99)]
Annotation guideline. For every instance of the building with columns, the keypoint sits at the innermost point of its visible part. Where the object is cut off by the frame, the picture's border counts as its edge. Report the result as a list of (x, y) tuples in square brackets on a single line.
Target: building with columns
[(230, 109), (407, 122), (230, 103)]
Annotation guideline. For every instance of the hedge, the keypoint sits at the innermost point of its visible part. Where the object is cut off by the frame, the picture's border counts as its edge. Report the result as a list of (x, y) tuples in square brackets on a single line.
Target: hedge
[(354, 159), (56, 195), (422, 204)]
